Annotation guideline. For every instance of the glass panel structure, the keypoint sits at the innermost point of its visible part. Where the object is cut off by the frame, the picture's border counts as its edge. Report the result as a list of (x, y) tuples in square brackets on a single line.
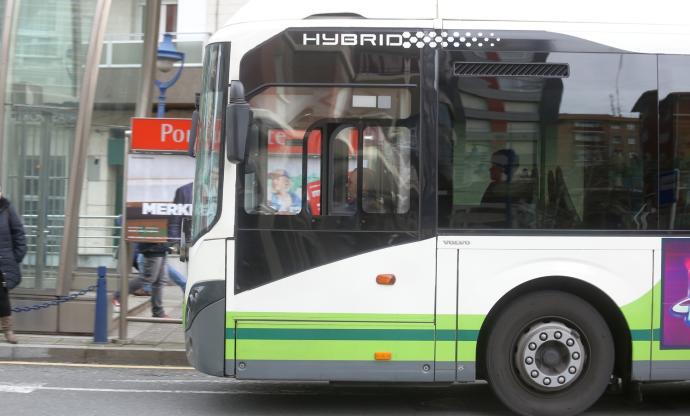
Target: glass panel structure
[(41, 106), (2, 19)]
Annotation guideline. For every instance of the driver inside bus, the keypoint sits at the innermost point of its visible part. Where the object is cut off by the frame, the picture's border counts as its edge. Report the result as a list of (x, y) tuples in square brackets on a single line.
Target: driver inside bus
[(283, 200)]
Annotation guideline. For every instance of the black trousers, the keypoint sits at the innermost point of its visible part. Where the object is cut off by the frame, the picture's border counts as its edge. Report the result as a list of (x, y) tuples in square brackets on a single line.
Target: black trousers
[(5, 309)]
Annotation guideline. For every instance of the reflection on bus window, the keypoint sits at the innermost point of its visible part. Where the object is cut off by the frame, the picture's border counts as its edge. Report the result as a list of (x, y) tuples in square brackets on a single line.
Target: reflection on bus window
[(288, 125), (508, 201), (314, 173), (343, 162), (577, 152), (386, 172), (209, 138), (674, 143)]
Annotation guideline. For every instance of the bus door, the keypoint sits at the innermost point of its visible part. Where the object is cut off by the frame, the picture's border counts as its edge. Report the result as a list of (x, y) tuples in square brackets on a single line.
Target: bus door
[(334, 275)]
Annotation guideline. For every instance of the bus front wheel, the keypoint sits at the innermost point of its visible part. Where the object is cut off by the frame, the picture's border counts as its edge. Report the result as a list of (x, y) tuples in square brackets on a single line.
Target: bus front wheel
[(549, 353)]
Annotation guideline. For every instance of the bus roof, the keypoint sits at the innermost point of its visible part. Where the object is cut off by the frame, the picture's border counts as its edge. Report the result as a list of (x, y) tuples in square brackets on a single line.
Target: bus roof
[(583, 11)]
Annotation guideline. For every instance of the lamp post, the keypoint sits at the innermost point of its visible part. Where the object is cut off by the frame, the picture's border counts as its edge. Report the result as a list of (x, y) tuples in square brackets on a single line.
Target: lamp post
[(166, 56)]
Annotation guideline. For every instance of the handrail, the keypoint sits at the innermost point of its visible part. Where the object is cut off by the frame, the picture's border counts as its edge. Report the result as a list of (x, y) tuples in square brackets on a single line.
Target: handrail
[(107, 233)]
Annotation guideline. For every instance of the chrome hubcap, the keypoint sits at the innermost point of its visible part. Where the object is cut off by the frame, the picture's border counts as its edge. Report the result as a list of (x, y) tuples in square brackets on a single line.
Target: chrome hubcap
[(550, 356)]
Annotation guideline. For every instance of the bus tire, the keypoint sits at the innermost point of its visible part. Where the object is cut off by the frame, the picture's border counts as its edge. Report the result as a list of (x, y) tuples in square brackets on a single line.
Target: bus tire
[(549, 353)]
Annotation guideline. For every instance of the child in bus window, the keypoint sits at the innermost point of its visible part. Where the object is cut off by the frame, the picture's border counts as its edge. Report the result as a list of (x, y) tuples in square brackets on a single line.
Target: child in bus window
[(283, 200)]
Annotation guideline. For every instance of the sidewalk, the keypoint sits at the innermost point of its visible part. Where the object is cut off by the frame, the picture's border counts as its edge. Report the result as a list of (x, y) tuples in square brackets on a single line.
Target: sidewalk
[(147, 344)]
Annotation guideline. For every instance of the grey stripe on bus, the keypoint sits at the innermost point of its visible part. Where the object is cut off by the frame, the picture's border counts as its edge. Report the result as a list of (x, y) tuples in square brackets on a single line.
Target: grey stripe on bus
[(641, 370), (336, 370), (467, 371), (670, 370), (230, 368), (445, 371)]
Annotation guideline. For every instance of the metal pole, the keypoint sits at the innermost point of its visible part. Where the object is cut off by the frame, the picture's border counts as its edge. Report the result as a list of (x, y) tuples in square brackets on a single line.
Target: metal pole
[(148, 67), (68, 252), (146, 80), (100, 320), (161, 102), (4, 69), (124, 262)]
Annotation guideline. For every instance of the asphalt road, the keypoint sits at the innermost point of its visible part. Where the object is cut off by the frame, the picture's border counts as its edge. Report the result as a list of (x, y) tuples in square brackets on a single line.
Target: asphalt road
[(55, 390)]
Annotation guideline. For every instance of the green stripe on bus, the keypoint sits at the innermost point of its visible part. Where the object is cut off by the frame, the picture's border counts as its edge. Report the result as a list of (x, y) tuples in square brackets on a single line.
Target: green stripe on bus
[(325, 317), (645, 334), (445, 334), (468, 335), (351, 334), (385, 334), (641, 334), (336, 334), (262, 349)]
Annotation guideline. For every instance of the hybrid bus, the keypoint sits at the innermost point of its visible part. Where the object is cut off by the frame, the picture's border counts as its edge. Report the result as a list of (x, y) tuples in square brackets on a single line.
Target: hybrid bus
[(444, 192)]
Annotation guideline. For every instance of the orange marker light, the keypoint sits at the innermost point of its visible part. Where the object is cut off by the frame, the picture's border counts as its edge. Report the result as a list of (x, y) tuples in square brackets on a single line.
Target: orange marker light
[(383, 356), (385, 279)]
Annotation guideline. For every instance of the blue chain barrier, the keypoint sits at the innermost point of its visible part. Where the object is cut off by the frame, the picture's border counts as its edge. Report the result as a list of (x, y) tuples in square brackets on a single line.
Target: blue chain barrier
[(55, 302)]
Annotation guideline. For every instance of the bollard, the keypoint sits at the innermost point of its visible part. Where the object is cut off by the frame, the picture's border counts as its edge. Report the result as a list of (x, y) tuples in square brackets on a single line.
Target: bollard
[(100, 323)]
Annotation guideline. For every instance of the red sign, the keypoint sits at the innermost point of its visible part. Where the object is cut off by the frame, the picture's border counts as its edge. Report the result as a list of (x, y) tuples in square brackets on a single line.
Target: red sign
[(314, 197), (290, 141), (170, 135)]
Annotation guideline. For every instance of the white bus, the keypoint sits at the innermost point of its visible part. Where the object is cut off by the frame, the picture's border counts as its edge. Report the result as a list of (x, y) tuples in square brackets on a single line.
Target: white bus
[(441, 192)]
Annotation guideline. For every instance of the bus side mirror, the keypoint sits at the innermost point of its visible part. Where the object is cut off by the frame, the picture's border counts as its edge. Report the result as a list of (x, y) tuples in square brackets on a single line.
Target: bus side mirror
[(192, 134), (238, 117)]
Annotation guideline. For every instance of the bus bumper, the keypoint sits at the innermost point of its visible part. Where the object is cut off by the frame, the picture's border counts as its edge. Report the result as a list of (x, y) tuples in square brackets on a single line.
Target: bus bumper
[(205, 327)]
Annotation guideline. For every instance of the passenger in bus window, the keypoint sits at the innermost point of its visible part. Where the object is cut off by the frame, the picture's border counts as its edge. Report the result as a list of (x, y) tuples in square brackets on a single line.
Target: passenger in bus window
[(507, 201), (375, 199), (283, 200)]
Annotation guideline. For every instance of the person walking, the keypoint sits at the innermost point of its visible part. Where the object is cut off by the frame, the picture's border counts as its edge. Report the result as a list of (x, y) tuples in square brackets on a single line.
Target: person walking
[(154, 272), (12, 251)]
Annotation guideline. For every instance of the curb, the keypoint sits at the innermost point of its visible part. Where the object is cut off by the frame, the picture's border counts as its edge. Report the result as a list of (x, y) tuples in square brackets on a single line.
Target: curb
[(96, 354)]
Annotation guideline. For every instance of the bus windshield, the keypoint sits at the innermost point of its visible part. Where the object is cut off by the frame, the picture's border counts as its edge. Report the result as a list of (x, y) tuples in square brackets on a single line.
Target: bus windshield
[(209, 139)]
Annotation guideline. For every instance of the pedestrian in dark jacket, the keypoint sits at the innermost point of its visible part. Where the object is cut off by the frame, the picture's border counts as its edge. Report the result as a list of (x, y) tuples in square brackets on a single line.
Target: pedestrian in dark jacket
[(154, 273), (12, 251)]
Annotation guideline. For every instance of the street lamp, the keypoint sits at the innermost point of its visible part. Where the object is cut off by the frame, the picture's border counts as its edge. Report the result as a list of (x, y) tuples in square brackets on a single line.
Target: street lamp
[(166, 56)]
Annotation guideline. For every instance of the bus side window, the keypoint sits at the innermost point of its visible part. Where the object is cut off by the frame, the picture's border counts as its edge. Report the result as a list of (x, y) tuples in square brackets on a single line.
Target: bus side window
[(273, 177), (313, 182), (386, 170), (342, 167)]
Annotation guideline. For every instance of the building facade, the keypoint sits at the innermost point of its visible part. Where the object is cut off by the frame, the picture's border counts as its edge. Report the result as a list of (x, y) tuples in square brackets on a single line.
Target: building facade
[(59, 149)]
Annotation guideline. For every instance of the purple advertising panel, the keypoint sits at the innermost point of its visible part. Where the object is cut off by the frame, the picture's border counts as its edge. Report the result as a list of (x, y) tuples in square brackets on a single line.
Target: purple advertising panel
[(675, 302)]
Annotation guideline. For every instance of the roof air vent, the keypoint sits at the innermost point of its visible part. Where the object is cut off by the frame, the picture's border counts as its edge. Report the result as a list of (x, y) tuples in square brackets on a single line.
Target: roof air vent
[(342, 15), (491, 69)]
